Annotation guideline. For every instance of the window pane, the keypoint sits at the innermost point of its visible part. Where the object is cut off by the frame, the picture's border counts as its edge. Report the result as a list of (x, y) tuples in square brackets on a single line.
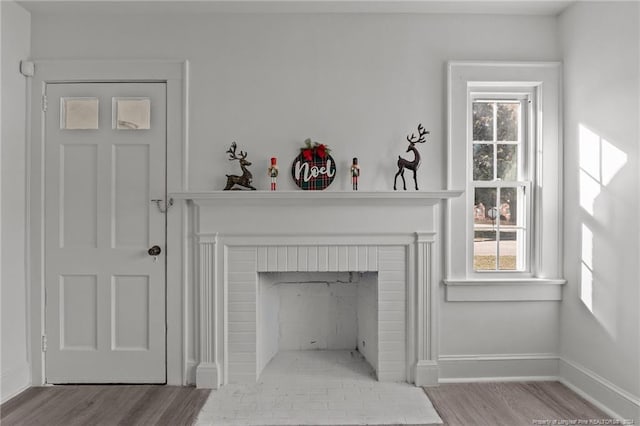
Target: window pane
[(508, 251), (509, 206), (483, 121), (507, 162), (132, 113), (482, 161), (507, 116), (485, 212), (79, 113), (484, 250)]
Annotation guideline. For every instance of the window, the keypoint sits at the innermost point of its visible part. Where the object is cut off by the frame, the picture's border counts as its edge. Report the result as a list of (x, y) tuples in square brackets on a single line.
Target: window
[(131, 113), (503, 236), (500, 180), (79, 113)]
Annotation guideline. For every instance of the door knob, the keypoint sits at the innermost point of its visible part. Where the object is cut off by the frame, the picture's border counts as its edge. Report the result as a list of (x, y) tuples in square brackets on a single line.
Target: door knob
[(154, 251)]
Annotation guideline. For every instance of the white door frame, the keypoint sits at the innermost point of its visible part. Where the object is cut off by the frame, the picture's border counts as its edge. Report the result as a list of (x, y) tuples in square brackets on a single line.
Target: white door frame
[(175, 74)]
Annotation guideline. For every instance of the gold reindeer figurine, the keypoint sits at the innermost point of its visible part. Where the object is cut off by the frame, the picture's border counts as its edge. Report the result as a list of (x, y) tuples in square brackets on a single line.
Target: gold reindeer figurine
[(246, 178)]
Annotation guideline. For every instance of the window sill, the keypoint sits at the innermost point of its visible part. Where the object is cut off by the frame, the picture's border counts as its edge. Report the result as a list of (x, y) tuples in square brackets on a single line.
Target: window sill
[(504, 290)]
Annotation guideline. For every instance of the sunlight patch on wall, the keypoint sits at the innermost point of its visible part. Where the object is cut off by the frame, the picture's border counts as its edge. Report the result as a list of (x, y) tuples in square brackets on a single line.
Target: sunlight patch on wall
[(589, 191), (586, 281), (599, 161), (589, 151), (612, 161)]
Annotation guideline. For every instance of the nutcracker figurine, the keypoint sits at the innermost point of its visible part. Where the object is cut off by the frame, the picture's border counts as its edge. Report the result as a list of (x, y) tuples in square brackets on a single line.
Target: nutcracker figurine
[(355, 174), (272, 171)]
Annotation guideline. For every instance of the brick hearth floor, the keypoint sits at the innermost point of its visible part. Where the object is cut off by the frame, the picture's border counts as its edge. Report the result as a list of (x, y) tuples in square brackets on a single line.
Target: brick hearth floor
[(318, 388)]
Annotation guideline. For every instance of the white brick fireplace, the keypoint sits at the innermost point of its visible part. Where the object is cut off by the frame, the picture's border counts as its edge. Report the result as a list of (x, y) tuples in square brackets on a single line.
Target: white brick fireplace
[(238, 235)]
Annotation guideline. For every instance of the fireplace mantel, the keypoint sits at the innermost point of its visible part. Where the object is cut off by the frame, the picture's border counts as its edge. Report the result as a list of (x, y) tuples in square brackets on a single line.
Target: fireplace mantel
[(392, 197), (239, 234)]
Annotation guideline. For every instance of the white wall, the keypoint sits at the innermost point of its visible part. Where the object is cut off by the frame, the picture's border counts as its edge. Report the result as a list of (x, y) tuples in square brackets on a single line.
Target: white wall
[(16, 32), (600, 322), (358, 82)]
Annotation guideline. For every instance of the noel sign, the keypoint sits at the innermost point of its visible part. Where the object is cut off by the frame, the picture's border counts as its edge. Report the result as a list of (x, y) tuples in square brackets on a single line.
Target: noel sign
[(313, 168)]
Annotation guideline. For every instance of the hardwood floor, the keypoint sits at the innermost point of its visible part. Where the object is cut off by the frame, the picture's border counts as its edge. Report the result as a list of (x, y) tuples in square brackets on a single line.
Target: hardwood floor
[(510, 404), (104, 405), (464, 404)]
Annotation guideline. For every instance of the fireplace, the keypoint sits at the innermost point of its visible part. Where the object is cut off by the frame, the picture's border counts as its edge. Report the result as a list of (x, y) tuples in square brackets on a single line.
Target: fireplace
[(384, 245), (335, 311)]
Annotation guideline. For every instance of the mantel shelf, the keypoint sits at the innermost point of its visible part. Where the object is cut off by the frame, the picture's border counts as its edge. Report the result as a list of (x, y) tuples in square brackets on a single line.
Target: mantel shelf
[(389, 196)]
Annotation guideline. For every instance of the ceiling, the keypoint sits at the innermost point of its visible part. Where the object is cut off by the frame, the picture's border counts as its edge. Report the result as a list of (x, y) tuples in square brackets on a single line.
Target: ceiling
[(134, 7)]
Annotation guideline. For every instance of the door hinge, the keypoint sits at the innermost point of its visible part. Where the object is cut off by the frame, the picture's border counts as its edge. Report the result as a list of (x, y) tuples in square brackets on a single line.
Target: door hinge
[(44, 343), (44, 103)]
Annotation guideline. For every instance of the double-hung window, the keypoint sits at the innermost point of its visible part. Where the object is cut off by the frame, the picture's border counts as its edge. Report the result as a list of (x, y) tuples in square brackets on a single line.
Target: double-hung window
[(503, 235), (500, 181)]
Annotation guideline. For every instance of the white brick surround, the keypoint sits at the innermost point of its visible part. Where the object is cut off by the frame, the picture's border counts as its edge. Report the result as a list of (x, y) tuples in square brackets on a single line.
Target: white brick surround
[(388, 261), (229, 259)]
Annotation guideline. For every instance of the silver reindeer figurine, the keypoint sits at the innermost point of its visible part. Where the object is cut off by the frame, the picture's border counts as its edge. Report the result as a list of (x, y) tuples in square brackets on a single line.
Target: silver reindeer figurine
[(404, 164)]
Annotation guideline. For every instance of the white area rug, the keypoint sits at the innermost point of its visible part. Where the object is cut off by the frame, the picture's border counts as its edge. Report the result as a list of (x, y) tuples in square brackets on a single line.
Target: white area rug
[(318, 388)]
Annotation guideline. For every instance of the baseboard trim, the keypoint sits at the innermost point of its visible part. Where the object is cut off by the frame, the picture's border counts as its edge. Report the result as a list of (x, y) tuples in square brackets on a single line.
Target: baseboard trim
[(190, 372), (14, 381), (605, 395), (498, 367), (500, 379), (207, 375), (426, 373)]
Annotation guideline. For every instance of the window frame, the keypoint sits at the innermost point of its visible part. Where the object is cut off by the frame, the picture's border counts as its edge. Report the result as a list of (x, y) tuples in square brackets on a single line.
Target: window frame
[(541, 280), (526, 97)]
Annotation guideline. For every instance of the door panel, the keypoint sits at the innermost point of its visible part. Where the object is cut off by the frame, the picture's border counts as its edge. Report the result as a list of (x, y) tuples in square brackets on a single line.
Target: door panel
[(105, 296), (78, 196), (129, 301), (78, 312), (130, 192)]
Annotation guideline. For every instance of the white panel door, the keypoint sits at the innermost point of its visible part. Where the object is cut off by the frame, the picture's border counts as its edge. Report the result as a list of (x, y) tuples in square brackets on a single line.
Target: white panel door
[(105, 160)]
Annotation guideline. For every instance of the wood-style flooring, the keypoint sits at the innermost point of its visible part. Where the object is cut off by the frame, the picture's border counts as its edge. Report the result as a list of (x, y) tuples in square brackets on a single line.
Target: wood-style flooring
[(510, 404), (85, 405), (463, 404)]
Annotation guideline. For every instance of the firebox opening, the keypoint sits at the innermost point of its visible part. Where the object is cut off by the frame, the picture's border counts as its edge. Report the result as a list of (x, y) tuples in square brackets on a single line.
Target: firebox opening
[(317, 311)]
